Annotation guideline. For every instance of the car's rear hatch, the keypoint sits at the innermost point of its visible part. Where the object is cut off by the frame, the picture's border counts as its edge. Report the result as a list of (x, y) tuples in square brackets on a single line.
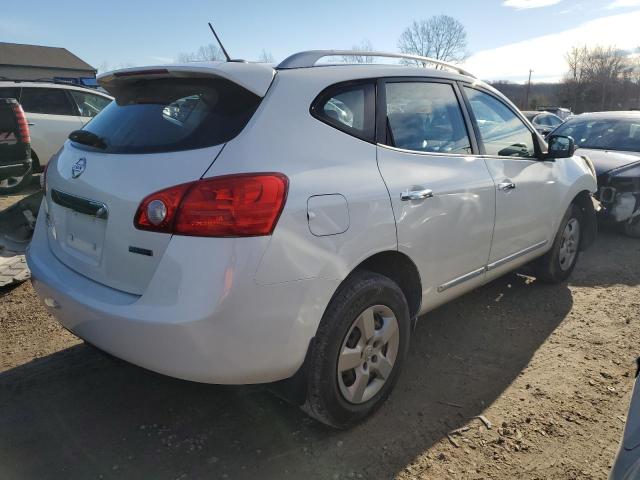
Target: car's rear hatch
[(166, 127)]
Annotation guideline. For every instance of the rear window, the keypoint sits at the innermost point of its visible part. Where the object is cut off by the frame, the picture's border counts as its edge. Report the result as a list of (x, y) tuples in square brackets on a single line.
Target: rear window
[(165, 115), (51, 101), (10, 92), (7, 121)]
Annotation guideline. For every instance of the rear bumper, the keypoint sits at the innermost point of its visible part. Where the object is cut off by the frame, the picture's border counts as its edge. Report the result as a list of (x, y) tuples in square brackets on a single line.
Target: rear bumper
[(14, 169), (201, 318)]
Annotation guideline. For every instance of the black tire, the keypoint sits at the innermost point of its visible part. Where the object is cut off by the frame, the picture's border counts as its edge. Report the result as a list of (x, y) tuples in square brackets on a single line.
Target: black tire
[(15, 184), (548, 268), (362, 290)]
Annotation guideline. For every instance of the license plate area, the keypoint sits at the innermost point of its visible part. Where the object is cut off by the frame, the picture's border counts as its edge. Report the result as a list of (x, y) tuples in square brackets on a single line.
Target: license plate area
[(80, 226), (84, 236)]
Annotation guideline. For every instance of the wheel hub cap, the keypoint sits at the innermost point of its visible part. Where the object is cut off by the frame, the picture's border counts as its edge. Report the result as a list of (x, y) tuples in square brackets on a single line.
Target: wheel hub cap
[(569, 244), (368, 354)]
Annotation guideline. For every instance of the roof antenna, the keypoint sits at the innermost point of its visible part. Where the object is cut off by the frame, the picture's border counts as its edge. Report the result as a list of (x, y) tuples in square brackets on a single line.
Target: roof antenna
[(220, 43)]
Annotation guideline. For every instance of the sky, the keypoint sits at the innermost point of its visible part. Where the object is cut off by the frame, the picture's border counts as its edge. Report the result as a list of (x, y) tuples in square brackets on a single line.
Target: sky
[(506, 38)]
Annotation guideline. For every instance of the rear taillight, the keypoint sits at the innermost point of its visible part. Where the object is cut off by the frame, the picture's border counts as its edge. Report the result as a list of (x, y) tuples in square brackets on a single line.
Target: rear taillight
[(241, 205), (23, 126)]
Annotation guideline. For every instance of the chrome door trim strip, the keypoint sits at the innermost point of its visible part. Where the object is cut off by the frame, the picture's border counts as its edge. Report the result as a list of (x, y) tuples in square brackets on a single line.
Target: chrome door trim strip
[(513, 256), (469, 155), (476, 273), (459, 280)]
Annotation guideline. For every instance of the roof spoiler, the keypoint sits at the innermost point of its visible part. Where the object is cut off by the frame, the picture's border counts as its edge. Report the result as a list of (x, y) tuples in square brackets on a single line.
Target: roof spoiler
[(254, 77)]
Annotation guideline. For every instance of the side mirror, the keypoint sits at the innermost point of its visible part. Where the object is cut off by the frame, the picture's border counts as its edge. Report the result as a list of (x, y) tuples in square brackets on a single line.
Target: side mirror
[(560, 147)]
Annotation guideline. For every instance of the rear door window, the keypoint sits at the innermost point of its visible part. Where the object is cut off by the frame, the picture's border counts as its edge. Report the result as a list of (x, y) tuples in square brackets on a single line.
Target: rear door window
[(89, 104), (348, 107), (425, 117), (501, 130), (52, 101), (166, 115)]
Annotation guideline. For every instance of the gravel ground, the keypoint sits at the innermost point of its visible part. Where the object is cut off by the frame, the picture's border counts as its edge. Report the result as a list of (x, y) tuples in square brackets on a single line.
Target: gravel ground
[(550, 367)]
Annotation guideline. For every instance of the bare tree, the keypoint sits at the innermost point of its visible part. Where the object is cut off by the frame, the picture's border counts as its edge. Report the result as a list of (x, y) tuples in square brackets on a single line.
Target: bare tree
[(605, 67), (209, 52), (634, 74), (599, 78), (441, 37), (576, 59), (364, 46), (266, 57)]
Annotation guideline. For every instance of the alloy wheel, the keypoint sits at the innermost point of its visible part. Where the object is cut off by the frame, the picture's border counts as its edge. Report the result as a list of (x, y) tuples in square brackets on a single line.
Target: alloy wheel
[(10, 182), (569, 244), (368, 354)]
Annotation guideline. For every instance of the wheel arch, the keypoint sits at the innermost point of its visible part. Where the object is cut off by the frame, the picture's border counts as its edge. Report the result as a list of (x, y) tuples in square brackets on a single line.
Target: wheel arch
[(589, 220), (393, 264), (401, 269)]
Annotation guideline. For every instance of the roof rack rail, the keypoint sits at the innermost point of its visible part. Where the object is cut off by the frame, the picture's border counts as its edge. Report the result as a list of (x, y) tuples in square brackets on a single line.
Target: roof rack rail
[(56, 81), (43, 80), (310, 57)]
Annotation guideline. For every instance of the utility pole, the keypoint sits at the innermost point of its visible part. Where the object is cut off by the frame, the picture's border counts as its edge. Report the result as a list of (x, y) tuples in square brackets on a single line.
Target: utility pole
[(526, 103)]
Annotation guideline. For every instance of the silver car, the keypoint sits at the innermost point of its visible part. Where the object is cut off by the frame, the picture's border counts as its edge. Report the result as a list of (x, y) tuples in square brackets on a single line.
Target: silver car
[(239, 223)]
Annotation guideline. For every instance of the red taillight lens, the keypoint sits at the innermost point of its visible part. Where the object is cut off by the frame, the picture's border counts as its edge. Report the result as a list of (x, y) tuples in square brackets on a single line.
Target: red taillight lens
[(23, 126), (230, 206)]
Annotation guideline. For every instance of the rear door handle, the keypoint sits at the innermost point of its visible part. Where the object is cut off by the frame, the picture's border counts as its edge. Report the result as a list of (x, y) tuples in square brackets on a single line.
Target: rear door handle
[(506, 186), (416, 194), (31, 124)]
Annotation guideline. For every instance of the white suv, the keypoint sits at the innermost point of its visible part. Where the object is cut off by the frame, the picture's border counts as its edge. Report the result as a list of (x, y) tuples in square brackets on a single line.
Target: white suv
[(234, 223), (53, 111)]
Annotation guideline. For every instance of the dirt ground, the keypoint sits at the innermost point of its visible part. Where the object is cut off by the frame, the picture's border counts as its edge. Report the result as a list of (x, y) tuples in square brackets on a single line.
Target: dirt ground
[(550, 367)]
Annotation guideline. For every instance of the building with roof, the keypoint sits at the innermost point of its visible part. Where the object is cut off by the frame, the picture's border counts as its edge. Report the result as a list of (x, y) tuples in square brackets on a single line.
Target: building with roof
[(32, 62)]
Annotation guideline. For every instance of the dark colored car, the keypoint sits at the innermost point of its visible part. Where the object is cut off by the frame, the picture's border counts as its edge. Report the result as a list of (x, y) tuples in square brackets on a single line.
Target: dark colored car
[(15, 146), (611, 140), (544, 122)]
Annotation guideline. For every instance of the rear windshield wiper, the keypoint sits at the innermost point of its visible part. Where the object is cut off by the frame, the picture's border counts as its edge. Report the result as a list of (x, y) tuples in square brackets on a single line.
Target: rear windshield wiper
[(86, 137)]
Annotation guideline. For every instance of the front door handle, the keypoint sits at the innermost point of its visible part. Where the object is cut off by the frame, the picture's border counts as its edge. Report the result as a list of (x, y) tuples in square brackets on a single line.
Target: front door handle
[(416, 194), (506, 186)]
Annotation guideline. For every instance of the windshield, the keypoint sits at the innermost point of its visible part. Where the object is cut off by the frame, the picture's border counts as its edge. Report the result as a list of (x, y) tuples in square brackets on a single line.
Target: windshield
[(603, 133), (166, 115)]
